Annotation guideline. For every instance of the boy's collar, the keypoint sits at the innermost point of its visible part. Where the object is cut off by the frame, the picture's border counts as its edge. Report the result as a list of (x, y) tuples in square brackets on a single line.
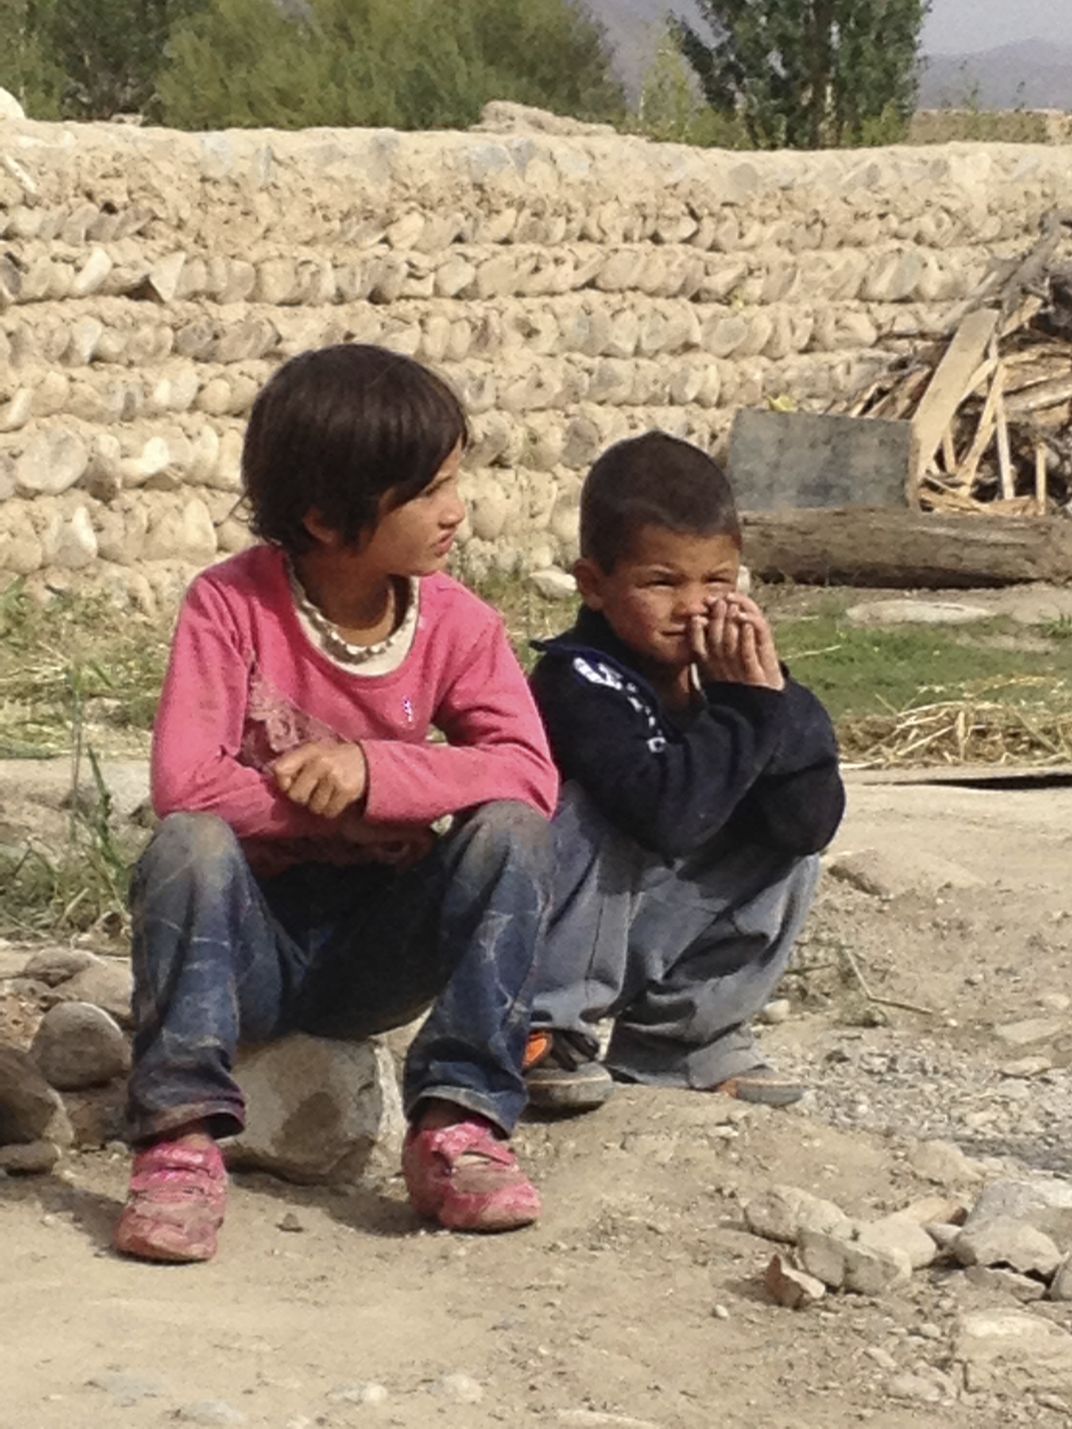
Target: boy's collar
[(590, 631)]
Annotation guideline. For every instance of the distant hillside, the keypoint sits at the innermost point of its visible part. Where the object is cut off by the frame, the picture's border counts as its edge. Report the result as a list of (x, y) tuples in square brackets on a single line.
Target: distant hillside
[(1031, 75)]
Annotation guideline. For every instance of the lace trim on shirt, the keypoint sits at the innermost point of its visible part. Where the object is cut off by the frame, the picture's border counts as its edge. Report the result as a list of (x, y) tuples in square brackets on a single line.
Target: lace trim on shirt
[(275, 724)]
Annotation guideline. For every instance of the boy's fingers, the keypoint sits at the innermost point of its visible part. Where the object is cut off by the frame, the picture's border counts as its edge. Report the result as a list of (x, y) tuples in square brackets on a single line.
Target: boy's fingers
[(698, 636), (751, 665)]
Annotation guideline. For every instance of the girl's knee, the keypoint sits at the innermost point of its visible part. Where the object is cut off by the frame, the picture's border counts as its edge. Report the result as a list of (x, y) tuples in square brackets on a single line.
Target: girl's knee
[(507, 828), (190, 841)]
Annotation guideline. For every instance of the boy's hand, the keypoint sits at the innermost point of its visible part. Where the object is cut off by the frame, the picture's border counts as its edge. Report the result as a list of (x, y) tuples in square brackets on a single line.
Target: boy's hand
[(325, 778), (735, 644)]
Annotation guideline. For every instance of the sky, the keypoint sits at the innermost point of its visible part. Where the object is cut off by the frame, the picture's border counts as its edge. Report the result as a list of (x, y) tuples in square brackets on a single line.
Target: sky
[(964, 26)]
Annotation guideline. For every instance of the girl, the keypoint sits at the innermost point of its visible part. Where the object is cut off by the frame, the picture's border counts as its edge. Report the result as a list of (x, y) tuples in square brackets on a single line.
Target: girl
[(295, 881)]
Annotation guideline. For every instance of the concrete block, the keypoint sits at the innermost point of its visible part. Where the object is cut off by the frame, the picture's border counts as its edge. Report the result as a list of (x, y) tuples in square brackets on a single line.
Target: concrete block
[(792, 460)]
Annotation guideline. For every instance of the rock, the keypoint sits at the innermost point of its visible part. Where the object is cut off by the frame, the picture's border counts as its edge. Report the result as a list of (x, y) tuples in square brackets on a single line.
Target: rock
[(784, 1211), (366, 1393), (1025, 1067), (78, 1045), (885, 874), (210, 1411), (107, 984), (319, 1110), (1005, 1282), (877, 1355), (52, 462), (461, 1387), (504, 116), (1061, 1284), (97, 1115), (1002, 1241), (776, 1012), (1044, 1202), (1029, 1030), (942, 1234), (55, 965), (943, 1163), (10, 108), (30, 1158), (599, 1419), (1014, 1351), (1055, 1001), (791, 1287), (916, 612), (926, 1385), (940, 1210), (29, 1109), (899, 1234), (554, 584), (290, 1222), (127, 1388), (846, 1265)]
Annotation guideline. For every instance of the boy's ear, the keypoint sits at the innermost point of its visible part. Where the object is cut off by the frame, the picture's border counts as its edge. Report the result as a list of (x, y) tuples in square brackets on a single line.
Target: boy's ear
[(589, 577)]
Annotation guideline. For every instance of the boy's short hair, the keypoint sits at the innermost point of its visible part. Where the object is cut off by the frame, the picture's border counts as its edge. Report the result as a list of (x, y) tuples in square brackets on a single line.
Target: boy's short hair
[(334, 430), (653, 480)]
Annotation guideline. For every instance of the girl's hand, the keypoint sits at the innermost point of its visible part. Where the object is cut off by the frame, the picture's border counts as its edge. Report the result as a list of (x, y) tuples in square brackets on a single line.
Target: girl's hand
[(735, 644), (325, 778)]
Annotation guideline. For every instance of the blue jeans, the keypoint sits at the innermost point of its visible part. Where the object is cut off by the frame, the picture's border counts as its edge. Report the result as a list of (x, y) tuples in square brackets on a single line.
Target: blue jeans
[(222, 957)]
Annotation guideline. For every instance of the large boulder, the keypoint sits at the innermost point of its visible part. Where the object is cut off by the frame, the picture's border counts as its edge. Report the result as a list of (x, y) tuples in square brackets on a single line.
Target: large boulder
[(30, 1111), (10, 108), (319, 1110)]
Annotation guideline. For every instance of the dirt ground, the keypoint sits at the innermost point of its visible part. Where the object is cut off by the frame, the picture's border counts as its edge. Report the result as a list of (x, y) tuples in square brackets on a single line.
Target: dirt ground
[(638, 1300)]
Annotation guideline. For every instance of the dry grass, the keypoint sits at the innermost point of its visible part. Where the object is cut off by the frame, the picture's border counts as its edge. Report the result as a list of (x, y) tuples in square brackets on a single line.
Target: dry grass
[(1001, 722)]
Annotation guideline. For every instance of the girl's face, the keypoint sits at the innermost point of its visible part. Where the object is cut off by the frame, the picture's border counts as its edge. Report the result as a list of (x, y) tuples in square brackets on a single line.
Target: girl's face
[(413, 539), (416, 538)]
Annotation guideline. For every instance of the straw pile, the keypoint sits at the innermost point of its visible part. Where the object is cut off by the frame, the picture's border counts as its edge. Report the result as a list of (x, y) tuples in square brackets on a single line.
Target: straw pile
[(997, 723), (992, 404)]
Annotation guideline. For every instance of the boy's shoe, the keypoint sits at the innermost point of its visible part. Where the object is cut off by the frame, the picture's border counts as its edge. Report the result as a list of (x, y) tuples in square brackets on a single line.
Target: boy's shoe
[(763, 1086), (561, 1073), (467, 1179), (178, 1194)]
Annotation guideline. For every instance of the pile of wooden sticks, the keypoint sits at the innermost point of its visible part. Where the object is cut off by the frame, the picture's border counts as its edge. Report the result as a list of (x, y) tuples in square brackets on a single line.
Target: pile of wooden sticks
[(992, 404)]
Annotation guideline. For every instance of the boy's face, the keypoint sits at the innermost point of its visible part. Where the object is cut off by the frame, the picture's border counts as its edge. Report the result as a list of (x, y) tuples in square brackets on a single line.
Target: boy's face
[(657, 586)]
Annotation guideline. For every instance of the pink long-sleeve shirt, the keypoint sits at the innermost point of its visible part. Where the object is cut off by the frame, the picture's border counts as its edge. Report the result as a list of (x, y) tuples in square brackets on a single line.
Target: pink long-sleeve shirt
[(245, 684)]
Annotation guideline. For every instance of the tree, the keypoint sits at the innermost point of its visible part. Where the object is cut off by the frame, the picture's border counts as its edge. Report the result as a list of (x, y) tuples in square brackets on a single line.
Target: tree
[(408, 64), (28, 70), (85, 59), (804, 73), (671, 108)]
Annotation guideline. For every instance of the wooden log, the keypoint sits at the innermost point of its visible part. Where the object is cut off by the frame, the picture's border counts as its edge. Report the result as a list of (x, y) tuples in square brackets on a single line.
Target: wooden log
[(907, 549)]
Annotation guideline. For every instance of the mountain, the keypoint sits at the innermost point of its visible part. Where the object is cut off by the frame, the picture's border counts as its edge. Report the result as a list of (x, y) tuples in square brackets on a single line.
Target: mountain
[(1030, 75)]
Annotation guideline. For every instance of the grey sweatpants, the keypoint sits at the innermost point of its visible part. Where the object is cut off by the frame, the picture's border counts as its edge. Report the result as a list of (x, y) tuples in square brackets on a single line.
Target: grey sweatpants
[(681, 956)]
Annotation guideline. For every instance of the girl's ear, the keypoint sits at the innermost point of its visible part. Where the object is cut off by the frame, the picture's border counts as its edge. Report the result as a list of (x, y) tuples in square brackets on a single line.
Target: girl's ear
[(323, 534), (589, 577)]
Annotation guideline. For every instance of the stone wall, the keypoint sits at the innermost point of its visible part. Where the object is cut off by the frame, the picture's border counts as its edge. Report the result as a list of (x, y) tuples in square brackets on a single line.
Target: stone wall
[(575, 288)]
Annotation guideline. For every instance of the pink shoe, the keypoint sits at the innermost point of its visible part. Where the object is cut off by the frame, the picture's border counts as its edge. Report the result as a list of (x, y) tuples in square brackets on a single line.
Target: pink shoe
[(467, 1179), (178, 1192)]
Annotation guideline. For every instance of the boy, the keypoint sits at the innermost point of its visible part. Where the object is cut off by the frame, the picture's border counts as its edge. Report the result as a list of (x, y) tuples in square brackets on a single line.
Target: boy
[(701, 781)]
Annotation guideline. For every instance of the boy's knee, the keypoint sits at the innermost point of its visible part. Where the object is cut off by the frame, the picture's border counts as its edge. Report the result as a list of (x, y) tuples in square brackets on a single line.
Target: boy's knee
[(190, 841)]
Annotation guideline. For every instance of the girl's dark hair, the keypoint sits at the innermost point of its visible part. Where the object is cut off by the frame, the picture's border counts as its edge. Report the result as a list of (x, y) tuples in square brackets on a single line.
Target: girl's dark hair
[(653, 480), (334, 430)]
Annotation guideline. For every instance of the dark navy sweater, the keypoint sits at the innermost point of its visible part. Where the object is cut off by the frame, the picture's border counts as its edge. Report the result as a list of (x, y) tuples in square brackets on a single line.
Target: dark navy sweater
[(750, 763)]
